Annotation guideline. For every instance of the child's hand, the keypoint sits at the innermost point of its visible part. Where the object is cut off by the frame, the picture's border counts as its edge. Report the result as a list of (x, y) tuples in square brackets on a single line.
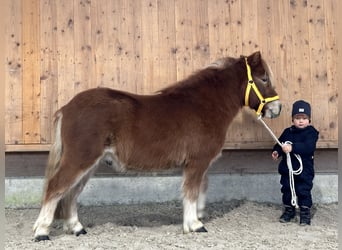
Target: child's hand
[(287, 148), (275, 155)]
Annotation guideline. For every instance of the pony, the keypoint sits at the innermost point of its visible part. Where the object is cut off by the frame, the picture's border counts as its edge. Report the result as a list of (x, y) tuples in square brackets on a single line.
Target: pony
[(183, 125)]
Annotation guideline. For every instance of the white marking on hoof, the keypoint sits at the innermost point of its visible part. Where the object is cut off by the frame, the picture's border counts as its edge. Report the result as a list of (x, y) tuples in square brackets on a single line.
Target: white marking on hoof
[(201, 205), (72, 225), (41, 227), (190, 220)]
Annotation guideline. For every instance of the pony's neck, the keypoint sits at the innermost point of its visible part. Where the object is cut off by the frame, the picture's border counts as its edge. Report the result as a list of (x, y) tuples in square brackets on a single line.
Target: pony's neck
[(218, 92)]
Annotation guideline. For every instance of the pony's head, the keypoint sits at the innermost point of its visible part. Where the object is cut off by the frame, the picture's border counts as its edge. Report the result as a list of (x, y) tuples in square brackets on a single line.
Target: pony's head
[(258, 91)]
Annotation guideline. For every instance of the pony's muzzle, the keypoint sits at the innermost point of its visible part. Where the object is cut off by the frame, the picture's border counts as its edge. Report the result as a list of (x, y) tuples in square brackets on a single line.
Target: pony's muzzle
[(272, 109)]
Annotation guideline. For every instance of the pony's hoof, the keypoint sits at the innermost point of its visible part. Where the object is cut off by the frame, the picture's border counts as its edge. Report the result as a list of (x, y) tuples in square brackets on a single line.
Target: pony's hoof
[(82, 231), (201, 230), (41, 238)]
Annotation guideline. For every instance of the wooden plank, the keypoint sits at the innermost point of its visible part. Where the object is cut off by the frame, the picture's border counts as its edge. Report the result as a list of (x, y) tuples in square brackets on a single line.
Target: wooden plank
[(65, 51), (27, 147), (318, 66), (184, 29), (31, 71), (150, 46), (200, 33), (167, 43), (99, 43), (215, 16), (48, 69), (13, 73), (282, 49), (83, 48), (332, 62), (129, 37), (224, 28), (233, 39), (136, 74), (301, 81), (249, 26), (108, 43)]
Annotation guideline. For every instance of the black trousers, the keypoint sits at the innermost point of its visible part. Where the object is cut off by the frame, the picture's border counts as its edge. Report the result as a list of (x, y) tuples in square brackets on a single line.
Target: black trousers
[(303, 187)]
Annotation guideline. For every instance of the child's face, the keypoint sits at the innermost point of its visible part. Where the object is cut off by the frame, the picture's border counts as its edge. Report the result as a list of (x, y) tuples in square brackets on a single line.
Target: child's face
[(301, 121)]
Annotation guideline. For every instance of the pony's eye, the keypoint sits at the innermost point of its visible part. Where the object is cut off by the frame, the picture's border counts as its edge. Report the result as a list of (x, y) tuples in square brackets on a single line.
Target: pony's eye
[(265, 78)]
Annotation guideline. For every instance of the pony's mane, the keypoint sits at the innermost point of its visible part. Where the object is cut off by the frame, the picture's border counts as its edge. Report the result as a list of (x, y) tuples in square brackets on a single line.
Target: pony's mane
[(199, 77)]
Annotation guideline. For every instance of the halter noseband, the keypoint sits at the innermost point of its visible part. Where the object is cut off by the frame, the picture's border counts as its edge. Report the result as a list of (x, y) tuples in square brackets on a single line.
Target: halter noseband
[(251, 84)]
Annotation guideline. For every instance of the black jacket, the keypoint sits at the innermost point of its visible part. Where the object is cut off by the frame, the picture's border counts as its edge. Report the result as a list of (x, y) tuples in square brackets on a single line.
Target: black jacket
[(303, 143)]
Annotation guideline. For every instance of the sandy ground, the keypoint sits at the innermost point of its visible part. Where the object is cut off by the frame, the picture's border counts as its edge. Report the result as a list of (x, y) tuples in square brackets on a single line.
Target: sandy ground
[(231, 225)]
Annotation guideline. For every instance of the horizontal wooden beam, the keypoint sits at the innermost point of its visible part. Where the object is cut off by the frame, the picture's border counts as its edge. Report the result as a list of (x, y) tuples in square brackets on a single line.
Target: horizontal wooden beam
[(27, 147), (227, 145)]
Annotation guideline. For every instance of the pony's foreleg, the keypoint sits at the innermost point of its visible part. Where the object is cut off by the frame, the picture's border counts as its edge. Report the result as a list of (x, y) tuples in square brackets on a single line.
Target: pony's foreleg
[(193, 176), (202, 197)]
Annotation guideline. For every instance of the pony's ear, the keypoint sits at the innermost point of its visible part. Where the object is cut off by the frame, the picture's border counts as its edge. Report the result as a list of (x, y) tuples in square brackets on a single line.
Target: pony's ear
[(254, 59)]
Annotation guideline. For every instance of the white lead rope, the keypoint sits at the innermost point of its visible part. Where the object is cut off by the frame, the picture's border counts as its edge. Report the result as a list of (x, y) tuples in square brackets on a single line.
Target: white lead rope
[(289, 164)]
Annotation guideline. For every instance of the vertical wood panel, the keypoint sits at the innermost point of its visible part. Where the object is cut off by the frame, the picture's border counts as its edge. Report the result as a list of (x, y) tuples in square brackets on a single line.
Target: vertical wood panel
[(116, 45), (130, 37), (13, 73), (215, 34), (318, 63), (183, 22), (48, 69), (167, 42), (98, 27), (301, 81), (150, 48), (234, 42), (200, 34), (31, 70), (83, 47), (65, 50), (332, 61)]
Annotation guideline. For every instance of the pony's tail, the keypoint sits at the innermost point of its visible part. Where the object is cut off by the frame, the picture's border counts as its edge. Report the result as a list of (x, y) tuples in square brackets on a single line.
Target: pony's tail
[(53, 164), (56, 151)]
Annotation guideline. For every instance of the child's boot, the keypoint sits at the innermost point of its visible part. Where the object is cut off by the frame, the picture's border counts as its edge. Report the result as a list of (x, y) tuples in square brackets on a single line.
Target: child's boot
[(305, 216), (288, 215)]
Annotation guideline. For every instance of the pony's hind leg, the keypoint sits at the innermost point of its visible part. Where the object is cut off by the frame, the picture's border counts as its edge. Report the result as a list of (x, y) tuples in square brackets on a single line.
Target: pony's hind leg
[(41, 227), (69, 207), (57, 188), (193, 176)]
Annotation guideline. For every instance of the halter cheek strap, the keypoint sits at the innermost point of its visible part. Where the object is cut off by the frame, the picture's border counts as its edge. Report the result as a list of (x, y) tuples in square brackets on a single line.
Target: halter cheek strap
[(251, 85)]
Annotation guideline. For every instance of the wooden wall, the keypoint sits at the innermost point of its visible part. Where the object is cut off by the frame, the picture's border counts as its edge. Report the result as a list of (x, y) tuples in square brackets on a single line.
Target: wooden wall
[(55, 49)]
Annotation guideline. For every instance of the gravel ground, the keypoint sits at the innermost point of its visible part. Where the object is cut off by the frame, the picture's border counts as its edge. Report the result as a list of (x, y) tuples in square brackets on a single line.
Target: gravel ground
[(231, 225)]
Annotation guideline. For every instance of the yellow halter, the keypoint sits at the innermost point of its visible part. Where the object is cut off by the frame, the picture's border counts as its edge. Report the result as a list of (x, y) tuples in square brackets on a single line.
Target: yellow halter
[(251, 84)]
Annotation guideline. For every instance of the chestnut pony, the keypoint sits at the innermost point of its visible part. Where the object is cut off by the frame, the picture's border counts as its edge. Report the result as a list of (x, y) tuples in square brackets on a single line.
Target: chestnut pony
[(183, 125)]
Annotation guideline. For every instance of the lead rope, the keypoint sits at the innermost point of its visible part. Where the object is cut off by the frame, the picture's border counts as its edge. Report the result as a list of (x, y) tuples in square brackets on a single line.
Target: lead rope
[(289, 164)]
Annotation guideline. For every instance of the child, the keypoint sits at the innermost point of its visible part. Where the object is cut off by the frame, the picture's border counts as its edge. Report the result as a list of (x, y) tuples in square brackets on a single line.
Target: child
[(303, 137)]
